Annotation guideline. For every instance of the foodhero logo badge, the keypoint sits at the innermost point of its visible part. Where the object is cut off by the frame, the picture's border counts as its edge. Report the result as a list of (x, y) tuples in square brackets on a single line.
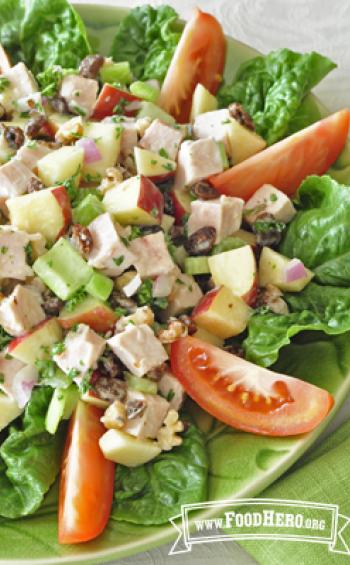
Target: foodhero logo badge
[(264, 519)]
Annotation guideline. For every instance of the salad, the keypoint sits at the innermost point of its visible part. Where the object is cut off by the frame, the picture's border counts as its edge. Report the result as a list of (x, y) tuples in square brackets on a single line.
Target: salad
[(163, 235)]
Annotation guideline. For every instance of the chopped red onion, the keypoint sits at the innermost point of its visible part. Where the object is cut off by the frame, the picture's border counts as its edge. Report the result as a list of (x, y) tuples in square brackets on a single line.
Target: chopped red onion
[(23, 384), (91, 151), (295, 270)]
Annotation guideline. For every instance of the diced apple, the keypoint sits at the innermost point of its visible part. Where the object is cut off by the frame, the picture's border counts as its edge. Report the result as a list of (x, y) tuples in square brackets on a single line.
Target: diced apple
[(60, 165), (204, 335), (273, 270), (107, 138), (202, 101), (9, 410), (221, 313), (236, 269), (152, 165), (135, 201), (124, 449), (33, 345), (182, 204), (242, 142), (47, 212), (92, 312)]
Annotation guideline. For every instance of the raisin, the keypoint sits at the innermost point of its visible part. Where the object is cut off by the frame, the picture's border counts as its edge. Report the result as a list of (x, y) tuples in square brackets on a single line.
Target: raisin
[(90, 66), (38, 128), (118, 300), (110, 365), (177, 234), (201, 242), (51, 303), (204, 191), (241, 115), (14, 136), (169, 207), (108, 388), (34, 185), (59, 104)]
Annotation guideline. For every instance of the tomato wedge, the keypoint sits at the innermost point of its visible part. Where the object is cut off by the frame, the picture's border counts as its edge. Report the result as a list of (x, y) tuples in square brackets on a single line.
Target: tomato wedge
[(112, 99), (246, 396), (199, 57), (285, 164), (87, 479)]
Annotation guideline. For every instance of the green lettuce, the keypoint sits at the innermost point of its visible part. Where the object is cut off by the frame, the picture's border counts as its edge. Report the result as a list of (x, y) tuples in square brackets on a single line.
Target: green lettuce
[(272, 89), (319, 235), (29, 459), (153, 493), (11, 14), (317, 308), (52, 33), (147, 38)]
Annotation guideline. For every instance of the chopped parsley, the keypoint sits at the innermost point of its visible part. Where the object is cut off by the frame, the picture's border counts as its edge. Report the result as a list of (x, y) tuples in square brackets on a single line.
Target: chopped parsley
[(5, 338), (29, 253), (118, 260), (85, 384), (120, 311), (74, 301), (273, 197), (2, 378), (170, 395), (168, 167), (4, 83), (51, 375), (118, 132), (153, 161), (57, 348), (163, 153), (154, 212), (265, 226), (135, 232), (76, 194), (120, 107), (145, 297), (3, 249)]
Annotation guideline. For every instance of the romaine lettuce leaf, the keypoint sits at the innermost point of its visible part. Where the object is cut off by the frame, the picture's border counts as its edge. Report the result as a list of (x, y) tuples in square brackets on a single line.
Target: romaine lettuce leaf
[(29, 459), (153, 493), (52, 33), (146, 37), (317, 308), (272, 88), (11, 14), (319, 235)]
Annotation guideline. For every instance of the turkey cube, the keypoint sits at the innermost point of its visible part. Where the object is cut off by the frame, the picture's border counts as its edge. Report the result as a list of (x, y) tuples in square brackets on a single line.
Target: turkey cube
[(269, 200), (138, 348), (80, 94), (198, 160), (30, 153), (224, 214), (14, 179), (82, 349), (13, 262), (149, 422), (212, 124), (152, 257), (172, 390), (108, 254), (20, 311), (22, 84), (163, 138), (185, 294), (129, 137)]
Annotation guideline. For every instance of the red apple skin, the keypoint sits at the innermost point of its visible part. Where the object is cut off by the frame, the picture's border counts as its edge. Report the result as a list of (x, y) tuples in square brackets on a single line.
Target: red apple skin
[(109, 98), (150, 198), (251, 296), (182, 205), (18, 340), (100, 319), (61, 195), (205, 303), (162, 178)]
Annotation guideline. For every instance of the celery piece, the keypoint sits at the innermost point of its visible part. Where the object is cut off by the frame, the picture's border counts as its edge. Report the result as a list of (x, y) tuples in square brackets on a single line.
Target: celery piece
[(144, 91), (116, 72), (230, 242), (141, 384), (99, 286), (196, 266), (150, 110), (88, 210)]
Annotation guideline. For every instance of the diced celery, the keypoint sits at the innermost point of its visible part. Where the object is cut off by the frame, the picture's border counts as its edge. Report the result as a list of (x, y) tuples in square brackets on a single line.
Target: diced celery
[(223, 155), (62, 269), (116, 72), (88, 210), (99, 286), (196, 266), (141, 384), (61, 406), (227, 244), (144, 91), (150, 110)]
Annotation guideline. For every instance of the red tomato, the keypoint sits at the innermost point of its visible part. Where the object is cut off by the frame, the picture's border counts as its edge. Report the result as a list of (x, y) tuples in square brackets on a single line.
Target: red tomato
[(199, 57), (87, 479), (246, 396), (110, 98), (285, 164)]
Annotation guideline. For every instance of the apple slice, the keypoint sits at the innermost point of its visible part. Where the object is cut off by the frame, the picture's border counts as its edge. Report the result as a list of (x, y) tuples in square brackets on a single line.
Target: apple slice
[(92, 312), (135, 201), (182, 204), (236, 269), (153, 165), (60, 165), (204, 335), (9, 410), (221, 313), (47, 212), (242, 142), (33, 345), (273, 269)]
